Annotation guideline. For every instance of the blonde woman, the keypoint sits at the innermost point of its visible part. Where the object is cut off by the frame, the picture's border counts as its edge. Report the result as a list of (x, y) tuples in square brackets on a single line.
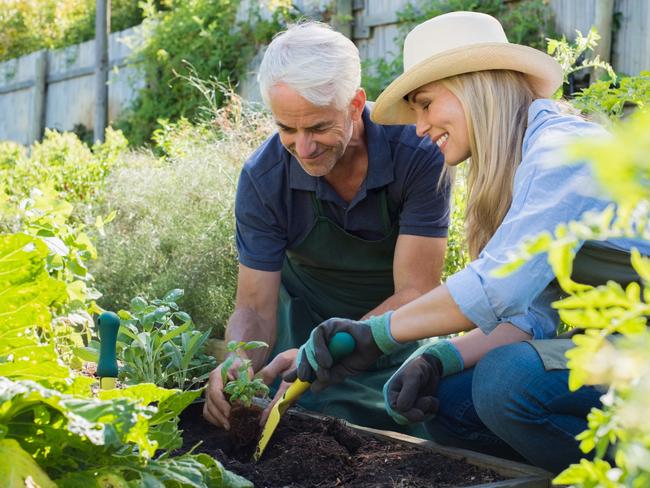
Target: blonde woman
[(502, 387)]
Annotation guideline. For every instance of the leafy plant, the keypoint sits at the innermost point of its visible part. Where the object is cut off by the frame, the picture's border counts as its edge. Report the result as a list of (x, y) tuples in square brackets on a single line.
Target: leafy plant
[(53, 430), (615, 349), (243, 388), (176, 212), (457, 254), (615, 99), (27, 26), (158, 344), (205, 34), (572, 56)]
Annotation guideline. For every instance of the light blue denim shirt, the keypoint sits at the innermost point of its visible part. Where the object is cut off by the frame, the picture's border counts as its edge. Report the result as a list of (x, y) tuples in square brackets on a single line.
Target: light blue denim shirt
[(546, 193)]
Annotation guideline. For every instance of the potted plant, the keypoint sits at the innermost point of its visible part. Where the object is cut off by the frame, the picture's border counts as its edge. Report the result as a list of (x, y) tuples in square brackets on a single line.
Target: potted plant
[(240, 391)]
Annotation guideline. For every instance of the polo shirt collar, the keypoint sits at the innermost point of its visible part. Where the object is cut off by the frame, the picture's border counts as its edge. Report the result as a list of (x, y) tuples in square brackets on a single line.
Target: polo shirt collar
[(380, 164)]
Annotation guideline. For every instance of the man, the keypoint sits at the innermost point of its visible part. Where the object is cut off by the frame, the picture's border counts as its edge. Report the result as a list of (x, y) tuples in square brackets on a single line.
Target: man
[(336, 216)]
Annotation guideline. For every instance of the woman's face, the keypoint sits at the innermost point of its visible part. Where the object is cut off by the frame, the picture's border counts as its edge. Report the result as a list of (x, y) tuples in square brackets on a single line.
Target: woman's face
[(440, 116)]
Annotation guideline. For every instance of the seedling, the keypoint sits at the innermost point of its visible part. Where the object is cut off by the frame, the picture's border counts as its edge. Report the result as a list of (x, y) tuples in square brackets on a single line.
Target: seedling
[(243, 388)]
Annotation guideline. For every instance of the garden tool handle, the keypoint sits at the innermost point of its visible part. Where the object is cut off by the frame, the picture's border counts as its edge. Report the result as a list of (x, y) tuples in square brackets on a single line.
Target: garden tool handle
[(109, 325), (340, 346)]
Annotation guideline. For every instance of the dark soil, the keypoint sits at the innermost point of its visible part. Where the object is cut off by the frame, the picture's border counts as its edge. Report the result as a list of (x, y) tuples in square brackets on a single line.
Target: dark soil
[(324, 453), (244, 425)]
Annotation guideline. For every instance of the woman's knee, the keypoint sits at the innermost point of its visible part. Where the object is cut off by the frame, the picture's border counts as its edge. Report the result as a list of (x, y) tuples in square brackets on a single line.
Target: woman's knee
[(500, 376)]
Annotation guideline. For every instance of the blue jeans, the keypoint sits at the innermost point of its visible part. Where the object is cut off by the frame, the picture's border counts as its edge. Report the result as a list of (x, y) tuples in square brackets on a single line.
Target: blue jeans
[(510, 406)]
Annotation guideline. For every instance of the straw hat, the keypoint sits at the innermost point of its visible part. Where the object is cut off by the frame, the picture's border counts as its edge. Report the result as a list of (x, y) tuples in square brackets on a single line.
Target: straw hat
[(457, 43)]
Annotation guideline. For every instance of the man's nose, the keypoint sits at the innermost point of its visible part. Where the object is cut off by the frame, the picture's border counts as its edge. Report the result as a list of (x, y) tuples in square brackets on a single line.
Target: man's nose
[(305, 145)]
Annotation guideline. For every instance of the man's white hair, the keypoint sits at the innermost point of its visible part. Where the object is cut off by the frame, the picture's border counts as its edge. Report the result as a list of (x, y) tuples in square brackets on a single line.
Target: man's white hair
[(322, 65)]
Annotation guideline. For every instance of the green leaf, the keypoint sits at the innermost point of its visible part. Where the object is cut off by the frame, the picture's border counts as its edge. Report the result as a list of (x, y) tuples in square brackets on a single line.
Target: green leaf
[(173, 295), (22, 471), (254, 345)]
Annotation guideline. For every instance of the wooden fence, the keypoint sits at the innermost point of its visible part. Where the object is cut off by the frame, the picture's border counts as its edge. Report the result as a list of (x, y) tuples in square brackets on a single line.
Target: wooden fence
[(55, 89)]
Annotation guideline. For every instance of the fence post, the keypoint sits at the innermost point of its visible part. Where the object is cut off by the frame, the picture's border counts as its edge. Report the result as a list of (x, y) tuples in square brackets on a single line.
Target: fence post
[(37, 116), (102, 21), (342, 21), (603, 23)]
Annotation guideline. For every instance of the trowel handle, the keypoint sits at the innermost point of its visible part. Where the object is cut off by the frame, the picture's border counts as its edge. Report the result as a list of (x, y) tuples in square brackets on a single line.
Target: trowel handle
[(109, 325), (341, 345)]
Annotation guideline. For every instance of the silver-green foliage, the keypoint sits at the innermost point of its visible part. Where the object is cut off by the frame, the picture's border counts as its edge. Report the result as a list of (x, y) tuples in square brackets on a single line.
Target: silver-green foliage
[(159, 344), (175, 216)]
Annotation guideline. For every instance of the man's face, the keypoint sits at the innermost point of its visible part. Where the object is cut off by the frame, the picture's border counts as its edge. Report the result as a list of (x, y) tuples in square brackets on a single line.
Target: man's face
[(316, 136)]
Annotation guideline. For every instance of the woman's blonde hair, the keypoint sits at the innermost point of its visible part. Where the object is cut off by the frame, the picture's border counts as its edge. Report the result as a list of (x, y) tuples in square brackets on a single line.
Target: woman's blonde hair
[(496, 109)]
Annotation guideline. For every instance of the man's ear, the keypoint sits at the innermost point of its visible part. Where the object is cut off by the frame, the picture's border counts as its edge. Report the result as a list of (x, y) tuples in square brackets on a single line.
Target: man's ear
[(357, 104)]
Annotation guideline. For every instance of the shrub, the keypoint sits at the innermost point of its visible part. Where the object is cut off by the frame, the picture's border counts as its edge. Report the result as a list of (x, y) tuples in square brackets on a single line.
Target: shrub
[(175, 221), (26, 25), (199, 36), (62, 160)]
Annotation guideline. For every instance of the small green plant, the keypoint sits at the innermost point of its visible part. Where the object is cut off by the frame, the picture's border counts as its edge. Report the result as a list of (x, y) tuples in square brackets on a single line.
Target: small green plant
[(159, 344), (573, 56), (243, 388), (614, 99)]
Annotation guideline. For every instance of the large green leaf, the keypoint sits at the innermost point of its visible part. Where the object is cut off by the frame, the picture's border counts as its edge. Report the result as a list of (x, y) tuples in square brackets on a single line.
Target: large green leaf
[(22, 471), (26, 293)]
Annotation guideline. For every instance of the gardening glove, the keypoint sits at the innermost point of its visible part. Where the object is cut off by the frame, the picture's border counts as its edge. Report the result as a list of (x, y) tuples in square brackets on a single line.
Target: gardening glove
[(372, 340), (409, 395)]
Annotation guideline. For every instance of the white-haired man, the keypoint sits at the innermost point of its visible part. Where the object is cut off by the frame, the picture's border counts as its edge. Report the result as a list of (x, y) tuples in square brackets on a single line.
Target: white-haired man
[(336, 217)]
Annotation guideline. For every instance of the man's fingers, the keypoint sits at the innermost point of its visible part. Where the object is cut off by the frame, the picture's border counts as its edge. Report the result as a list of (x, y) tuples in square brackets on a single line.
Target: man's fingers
[(291, 376)]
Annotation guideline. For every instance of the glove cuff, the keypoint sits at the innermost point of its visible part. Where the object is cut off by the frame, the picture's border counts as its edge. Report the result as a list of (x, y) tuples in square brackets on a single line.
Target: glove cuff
[(380, 328), (450, 358)]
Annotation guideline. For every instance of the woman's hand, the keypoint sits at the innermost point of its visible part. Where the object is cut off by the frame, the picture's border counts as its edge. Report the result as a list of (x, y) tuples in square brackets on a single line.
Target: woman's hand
[(315, 363)]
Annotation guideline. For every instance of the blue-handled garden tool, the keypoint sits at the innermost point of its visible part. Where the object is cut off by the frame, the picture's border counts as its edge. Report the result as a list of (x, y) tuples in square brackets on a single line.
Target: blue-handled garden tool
[(109, 325), (340, 346)]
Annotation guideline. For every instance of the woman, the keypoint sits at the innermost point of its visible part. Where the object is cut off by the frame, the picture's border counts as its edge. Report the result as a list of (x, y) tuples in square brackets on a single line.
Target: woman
[(484, 100)]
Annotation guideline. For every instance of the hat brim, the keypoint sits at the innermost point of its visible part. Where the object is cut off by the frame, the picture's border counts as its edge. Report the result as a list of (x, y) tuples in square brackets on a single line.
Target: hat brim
[(543, 72)]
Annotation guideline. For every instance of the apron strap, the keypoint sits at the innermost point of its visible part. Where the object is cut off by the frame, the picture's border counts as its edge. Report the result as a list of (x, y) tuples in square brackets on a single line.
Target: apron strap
[(318, 206)]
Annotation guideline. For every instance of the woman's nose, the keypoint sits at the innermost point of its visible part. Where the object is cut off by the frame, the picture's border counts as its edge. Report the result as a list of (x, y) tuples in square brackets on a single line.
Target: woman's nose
[(422, 126)]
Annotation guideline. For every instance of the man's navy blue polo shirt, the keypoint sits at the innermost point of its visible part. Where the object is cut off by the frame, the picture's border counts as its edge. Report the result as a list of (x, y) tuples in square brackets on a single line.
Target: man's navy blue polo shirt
[(274, 210)]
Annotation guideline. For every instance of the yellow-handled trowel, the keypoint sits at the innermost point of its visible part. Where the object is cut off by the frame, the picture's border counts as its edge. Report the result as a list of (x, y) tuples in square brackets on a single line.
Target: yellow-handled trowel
[(340, 346)]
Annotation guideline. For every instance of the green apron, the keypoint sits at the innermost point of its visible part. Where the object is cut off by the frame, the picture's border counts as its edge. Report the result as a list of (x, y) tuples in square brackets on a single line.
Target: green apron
[(593, 265), (332, 273)]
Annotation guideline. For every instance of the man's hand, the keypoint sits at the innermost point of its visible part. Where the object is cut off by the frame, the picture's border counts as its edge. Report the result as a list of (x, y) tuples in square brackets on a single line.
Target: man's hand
[(217, 408), (281, 364), (315, 363)]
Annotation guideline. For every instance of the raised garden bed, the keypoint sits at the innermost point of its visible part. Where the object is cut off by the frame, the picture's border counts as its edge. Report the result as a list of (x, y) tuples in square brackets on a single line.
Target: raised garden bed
[(311, 450)]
